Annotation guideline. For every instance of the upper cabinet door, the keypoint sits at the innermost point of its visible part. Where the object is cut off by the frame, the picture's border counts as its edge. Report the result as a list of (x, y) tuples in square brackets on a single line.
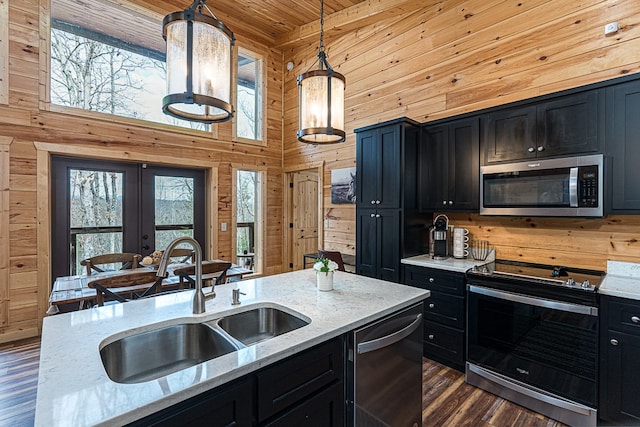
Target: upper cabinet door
[(571, 124), (378, 167), (464, 165), (623, 148), (510, 134)]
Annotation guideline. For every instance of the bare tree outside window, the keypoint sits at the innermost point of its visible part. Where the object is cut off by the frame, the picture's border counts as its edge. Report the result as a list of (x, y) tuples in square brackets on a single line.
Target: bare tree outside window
[(245, 210)]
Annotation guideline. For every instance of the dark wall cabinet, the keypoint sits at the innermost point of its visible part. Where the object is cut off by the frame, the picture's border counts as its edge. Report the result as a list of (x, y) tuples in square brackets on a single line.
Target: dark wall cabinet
[(569, 125), (623, 147), (307, 389), (449, 166), (386, 188), (444, 313), (619, 353)]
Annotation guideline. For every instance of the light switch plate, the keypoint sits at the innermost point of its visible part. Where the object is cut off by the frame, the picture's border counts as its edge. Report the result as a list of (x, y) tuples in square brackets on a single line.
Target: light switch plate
[(223, 226)]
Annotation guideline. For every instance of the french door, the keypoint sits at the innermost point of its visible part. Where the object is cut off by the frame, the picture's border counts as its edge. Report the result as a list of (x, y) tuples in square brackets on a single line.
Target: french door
[(109, 207)]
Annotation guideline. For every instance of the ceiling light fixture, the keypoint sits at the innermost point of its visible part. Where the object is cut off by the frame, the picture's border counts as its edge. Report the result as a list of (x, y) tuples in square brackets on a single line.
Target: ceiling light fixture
[(199, 52), (321, 100)]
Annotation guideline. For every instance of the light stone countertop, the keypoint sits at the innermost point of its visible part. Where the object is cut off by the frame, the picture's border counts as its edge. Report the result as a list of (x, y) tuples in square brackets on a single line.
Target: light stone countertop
[(450, 264), (622, 280), (74, 389)]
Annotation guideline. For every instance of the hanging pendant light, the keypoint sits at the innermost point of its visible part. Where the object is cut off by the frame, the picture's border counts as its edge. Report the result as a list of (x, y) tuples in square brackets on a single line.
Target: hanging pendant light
[(321, 100), (199, 52)]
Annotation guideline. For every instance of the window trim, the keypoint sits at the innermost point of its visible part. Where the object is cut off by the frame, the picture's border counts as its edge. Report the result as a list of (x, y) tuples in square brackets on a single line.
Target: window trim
[(4, 52), (259, 259), (259, 55)]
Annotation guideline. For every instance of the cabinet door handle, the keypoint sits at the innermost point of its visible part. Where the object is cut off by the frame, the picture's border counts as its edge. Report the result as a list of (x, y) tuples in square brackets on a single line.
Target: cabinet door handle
[(377, 215), (444, 202), (431, 279), (377, 202), (541, 148), (431, 336), (373, 215), (614, 342), (373, 202), (450, 202), (531, 149), (432, 305), (635, 319)]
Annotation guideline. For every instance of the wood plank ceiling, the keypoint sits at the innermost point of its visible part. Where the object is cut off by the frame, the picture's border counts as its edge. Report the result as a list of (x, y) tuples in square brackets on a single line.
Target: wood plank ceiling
[(264, 21)]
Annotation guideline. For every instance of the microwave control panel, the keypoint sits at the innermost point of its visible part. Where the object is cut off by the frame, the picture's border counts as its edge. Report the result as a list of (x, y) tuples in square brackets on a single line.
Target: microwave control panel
[(588, 186)]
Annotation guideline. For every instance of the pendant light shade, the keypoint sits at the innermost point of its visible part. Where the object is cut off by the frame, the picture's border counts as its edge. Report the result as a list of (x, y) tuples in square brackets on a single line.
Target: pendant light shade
[(321, 100), (199, 53)]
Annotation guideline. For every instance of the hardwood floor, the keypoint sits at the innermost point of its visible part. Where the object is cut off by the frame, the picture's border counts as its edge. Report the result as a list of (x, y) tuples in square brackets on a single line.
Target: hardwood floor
[(447, 400), (18, 382)]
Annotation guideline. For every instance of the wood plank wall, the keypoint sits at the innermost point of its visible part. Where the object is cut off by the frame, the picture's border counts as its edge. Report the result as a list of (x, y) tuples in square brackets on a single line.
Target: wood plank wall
[(449, 57), (26, 119)]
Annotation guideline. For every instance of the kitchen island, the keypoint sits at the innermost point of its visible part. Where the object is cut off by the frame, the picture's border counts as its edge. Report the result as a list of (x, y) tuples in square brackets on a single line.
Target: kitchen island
[(73, 386)]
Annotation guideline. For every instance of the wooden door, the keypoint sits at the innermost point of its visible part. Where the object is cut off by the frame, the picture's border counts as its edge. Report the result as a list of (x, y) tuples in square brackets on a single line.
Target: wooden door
[(305, 216)]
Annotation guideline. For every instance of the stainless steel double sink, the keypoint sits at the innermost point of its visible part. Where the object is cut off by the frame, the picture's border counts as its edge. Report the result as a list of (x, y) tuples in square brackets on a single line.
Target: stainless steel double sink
[(159, 352)]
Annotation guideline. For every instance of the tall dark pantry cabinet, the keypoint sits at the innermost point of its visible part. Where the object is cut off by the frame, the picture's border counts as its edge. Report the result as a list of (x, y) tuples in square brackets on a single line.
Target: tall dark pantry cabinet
[(388, 225)]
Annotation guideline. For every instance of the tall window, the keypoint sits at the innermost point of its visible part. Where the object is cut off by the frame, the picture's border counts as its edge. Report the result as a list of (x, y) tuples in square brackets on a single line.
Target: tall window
[(99, 67), (104, 207), (248, 212), (249, 96)]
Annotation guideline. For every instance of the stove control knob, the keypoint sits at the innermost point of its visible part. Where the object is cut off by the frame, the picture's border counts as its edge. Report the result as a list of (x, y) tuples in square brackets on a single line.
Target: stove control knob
[(570, 282), (485, 270), (586, 284)]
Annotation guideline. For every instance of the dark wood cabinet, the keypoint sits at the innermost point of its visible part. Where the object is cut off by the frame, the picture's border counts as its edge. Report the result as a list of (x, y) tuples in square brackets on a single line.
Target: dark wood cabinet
[(307, 389), (386, 201), (623, 149), (444, 313), (378, 250), (619, 352), (572, 124), (449, 166), (230, 404)]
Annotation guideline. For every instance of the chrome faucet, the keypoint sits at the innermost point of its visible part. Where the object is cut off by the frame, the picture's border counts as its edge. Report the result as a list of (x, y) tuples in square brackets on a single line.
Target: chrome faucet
[(198, 297)]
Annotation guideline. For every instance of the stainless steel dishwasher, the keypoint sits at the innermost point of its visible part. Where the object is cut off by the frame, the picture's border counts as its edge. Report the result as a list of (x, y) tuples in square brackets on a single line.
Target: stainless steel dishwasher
[(385, 374)]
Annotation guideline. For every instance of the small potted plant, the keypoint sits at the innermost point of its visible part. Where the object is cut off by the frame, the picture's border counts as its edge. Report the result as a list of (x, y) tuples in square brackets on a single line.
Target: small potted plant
[(324, 273)]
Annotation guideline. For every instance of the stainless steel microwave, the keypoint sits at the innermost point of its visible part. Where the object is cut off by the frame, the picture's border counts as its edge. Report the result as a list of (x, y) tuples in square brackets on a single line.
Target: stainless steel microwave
[(570, 186)]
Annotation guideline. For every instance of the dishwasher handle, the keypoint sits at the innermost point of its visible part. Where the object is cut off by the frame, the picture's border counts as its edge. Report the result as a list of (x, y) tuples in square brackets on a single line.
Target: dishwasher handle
[(378, 343)]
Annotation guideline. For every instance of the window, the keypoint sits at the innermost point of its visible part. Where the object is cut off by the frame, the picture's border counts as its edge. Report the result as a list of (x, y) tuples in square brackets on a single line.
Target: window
[(109, 207), (249, 121), (118, 70), (248, 211)]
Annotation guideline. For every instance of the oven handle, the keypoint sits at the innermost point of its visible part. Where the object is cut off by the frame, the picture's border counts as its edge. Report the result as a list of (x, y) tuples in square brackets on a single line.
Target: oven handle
[(552, 304)]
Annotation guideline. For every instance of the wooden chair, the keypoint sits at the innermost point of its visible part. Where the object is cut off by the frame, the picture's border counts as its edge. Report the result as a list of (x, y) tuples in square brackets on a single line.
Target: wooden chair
[(334, 256), (208, 267), (184, 254), (127, 261), (139, 284)]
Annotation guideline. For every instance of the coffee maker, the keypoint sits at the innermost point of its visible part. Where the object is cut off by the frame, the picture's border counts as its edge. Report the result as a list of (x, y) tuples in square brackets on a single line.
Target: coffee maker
[(439, 237)]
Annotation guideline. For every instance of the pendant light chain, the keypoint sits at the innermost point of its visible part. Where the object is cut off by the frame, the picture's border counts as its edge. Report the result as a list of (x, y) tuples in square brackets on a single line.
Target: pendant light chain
[(321, 48)]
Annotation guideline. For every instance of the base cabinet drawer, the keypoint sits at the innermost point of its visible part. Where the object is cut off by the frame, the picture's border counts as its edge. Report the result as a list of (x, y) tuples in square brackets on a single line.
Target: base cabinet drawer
[(446, 309), (325, 409), (444, 344)]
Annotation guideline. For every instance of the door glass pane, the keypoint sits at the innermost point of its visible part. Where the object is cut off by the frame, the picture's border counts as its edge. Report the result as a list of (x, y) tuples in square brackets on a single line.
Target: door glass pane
[(245, 210), (174, 208), (249, 103), (95, 214)]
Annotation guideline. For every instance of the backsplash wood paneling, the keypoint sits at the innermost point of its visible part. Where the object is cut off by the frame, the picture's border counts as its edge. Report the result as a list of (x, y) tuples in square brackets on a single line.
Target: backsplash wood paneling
[(456, 56)]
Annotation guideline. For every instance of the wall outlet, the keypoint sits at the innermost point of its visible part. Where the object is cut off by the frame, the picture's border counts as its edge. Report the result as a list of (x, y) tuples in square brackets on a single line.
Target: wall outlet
[(223, 226), (611, 28), (326, 223)]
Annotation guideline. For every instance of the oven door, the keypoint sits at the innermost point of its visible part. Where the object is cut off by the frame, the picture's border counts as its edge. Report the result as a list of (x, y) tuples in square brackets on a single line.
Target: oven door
[(546, 344)]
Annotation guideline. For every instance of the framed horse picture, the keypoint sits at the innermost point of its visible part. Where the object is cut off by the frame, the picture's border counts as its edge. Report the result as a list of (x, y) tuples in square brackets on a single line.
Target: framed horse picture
[(343, 186)]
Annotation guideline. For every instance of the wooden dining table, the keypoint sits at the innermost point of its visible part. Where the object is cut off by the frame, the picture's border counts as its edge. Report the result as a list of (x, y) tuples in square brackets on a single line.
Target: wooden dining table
[(75, 289)]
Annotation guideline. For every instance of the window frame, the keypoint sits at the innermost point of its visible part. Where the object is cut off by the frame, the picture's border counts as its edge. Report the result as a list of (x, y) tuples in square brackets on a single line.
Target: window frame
[(45, 95), (259, 259), (259, 55)]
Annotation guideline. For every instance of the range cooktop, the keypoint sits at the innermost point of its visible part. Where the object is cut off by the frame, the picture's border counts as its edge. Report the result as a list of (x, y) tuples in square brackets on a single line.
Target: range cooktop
[(552, 281)]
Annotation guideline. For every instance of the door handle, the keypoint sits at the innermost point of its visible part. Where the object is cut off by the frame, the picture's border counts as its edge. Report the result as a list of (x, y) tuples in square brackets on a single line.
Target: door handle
[(635, 319), (387, 340)]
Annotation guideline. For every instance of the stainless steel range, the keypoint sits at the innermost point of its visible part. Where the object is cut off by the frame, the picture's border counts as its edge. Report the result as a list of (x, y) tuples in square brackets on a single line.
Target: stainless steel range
[(532, 337)]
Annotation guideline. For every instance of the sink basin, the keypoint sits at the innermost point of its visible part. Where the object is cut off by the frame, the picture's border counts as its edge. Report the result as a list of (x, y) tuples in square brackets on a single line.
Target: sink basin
[(259, 324), (154, 354)]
